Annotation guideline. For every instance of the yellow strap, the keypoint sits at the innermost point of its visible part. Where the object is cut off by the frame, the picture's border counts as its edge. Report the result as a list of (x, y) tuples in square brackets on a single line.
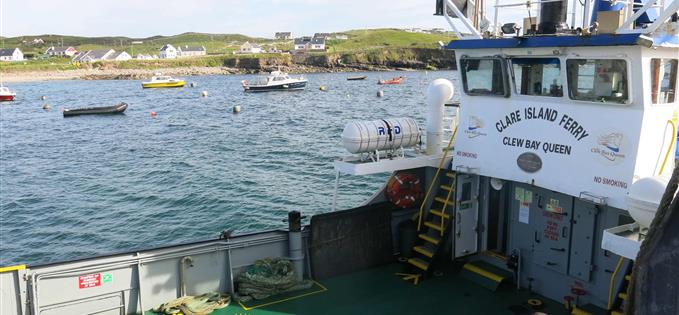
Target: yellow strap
[(12, 268)]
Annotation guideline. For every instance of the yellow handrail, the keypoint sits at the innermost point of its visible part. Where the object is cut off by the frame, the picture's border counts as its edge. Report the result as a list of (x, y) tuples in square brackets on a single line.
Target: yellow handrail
[(445, 204), (610, 288), (438, 170), (674, 134)]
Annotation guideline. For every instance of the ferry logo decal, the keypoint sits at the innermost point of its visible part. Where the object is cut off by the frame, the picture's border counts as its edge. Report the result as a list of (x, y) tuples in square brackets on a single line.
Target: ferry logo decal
[(610, 147), (474, 127)]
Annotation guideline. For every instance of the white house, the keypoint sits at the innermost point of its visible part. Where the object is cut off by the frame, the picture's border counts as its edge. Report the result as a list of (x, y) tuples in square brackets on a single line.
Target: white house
[(168, 52), (283, 35), (250, 48), (61, 51), (119, 56), (11, 54), (144, 57), (307, 43), (191, 51), (93, 55)]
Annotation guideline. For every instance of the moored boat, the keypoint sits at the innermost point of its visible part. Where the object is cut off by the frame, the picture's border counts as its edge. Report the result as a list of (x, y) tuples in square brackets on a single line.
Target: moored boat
[(102, 110), (163, 81), (396, 80), (356, 78), (6, 95), (276, 81)]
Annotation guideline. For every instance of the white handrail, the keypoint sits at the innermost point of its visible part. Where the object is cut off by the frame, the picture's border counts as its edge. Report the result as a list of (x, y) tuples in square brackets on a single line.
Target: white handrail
[(465, 21), (664, 15), (633, 18)]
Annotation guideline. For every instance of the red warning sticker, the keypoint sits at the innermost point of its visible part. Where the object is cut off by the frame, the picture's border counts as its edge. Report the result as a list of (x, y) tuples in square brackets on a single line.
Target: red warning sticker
[(89, 281)]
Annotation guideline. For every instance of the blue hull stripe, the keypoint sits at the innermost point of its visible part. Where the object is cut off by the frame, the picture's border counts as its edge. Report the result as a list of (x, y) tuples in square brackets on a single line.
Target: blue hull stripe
[(547, 41)]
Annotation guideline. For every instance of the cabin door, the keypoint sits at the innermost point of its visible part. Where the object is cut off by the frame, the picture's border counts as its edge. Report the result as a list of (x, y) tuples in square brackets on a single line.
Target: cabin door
[(466, 215)]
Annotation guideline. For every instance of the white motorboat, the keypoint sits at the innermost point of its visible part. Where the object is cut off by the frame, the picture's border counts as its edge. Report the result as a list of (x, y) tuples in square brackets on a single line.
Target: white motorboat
[(276, 81)]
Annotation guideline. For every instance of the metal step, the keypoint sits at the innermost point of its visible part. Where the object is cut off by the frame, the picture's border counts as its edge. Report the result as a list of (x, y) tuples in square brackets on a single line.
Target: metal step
[(440, 199), (434, 226), (483, 272), (450, 174), (424, 251), (616, 312), (628, 277), (439, 213), (429, 239), (419, 263), (622, 295), (447, 188)]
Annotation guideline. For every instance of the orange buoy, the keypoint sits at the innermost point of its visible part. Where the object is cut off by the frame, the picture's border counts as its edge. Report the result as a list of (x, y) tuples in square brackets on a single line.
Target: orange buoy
[(404, 190), (154, 114)]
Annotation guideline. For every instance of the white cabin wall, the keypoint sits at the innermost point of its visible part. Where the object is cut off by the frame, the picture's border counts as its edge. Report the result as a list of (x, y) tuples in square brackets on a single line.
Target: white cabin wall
[(589, 168), (657, 136)]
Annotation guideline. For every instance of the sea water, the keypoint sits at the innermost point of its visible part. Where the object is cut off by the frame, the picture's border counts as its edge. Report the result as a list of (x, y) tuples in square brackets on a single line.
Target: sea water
[(90, 185)]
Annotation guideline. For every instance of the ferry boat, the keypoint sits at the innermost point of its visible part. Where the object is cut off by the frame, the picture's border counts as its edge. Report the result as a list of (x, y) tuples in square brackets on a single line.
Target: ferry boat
[(536, 194), (163, 81), (276, 81), (6, 95)]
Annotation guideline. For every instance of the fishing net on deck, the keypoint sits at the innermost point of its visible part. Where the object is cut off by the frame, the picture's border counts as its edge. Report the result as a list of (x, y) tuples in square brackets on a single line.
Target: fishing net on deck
[(195, 305), (267, 277)]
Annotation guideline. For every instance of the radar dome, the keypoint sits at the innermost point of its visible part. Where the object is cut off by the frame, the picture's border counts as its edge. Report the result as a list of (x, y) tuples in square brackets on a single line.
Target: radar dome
[(644, 198)]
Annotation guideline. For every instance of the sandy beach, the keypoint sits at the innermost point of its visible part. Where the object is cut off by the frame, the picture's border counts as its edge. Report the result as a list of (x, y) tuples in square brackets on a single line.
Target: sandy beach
[(110, 74), (138, 74)]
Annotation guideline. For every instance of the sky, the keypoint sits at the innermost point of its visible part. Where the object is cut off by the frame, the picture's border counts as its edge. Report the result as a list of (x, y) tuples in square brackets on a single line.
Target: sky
[(260, 18), (144, 18)]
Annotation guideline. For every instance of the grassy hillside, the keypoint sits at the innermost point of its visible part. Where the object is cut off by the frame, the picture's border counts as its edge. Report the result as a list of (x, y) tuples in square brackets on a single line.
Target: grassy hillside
[(215, 43), (377, 46), (383, 38), (226, 43)]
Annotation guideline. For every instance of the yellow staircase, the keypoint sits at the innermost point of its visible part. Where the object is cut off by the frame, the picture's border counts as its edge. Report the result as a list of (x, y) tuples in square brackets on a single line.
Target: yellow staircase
[(616, 303), (432, 227)]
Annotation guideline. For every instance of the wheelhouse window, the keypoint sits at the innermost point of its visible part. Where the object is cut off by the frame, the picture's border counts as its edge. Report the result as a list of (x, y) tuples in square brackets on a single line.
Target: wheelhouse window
[(538, 76), (663, 80), (484, 76), (598, 80)]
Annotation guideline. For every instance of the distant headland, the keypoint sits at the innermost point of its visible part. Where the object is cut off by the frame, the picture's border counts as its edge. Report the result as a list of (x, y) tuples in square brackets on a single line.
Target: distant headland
[(57, 57)]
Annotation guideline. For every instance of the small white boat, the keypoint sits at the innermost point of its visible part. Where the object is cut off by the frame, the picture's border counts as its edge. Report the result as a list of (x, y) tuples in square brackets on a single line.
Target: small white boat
[(276, 81), (163, 81), (6, 95)]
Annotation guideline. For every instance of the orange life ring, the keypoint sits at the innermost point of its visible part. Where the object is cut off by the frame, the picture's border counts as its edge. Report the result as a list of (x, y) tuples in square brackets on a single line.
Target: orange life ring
[(404, 190)]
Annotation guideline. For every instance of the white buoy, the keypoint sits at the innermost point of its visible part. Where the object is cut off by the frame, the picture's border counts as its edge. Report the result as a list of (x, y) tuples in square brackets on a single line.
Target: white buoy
[(236, 109), (193, 84), (204, 94), (380, 93), (43, 97), (46, 106)]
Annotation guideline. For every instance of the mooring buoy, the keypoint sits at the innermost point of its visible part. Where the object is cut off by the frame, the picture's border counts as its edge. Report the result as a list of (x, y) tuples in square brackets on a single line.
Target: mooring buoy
[(43, 97), (154, 114), (322, 88), (45, 106), (380, 93), (204, 94), (236, 109), (193, 84)]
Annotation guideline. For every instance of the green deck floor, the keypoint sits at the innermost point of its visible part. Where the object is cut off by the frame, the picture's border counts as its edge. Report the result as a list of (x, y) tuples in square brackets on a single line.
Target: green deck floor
[(379, 291)]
